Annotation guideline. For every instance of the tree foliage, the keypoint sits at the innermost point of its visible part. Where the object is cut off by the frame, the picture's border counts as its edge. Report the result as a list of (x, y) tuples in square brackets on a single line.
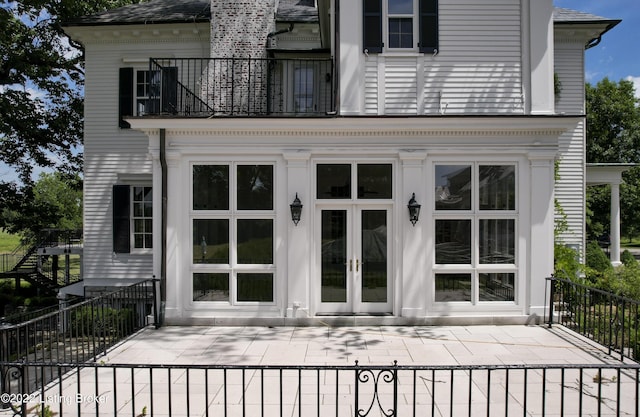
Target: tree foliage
[(41, 95), (613, 122), (613, 136), (55, 202)]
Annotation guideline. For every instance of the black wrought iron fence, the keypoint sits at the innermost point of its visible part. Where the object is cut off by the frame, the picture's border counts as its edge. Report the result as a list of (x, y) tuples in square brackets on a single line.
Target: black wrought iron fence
[(198, 390), (75, 334), (608, 319), (204, 87)]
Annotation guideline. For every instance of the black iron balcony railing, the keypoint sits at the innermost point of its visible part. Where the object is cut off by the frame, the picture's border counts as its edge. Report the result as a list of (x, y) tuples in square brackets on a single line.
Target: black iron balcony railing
[(195, 87), (611, 320)]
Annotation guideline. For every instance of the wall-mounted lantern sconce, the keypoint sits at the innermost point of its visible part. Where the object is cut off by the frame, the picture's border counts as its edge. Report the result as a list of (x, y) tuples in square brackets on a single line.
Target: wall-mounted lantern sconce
[(296, 210), (414, 210)]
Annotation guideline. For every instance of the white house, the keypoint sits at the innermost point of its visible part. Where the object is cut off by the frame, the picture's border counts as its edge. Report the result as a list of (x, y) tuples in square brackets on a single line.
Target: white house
[(417, 138)]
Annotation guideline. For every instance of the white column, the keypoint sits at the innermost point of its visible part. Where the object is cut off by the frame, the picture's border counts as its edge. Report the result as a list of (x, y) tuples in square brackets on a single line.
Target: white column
[(413, 278), (540, 253), (297, 297), (177, 201), (615, 224)]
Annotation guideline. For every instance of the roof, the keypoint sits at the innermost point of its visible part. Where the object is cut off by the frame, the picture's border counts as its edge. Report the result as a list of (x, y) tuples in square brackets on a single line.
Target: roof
[(573, 17), (172, 11), (297, 11), (153, 11), (293, 11), (562, 15)]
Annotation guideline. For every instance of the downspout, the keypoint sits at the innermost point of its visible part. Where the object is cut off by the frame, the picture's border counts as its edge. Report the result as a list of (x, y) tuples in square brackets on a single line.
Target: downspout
[(163, 220), (336, 59), (593, 42), (278, 32)]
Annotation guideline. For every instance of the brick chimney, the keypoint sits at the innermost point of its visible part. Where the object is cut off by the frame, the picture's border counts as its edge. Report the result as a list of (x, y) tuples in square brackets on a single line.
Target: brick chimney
[(237, 77), (239, 28)]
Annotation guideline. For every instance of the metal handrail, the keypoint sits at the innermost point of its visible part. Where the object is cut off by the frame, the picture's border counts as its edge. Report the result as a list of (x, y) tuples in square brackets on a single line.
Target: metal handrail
[(218, 87), (609, 319)]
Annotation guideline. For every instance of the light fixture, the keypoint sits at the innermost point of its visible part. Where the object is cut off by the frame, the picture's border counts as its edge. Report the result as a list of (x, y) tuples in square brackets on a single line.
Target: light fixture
[(414, 210), (296, 210)]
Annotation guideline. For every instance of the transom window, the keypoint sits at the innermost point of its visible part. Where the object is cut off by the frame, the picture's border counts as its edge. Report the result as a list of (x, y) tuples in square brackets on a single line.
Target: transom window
[(475, 232), (233, 233), (336, 181)]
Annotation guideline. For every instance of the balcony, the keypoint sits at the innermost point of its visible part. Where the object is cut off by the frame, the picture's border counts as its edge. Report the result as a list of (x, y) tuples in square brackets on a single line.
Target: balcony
[(237, 87)]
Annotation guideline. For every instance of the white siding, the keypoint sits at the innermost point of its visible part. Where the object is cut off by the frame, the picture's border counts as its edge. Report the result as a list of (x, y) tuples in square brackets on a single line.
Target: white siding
[(111, 152), (477, 68), (570, 187), (401, 86)]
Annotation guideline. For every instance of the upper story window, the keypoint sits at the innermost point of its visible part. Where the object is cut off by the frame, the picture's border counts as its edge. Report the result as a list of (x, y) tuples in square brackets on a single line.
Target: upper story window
[(147, 99), (400, 25), (143, 92), (400, 28)]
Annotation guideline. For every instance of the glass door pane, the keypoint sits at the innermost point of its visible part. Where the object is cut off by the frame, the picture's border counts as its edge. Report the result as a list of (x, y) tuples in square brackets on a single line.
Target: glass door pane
[(334, 256), (374, 256)]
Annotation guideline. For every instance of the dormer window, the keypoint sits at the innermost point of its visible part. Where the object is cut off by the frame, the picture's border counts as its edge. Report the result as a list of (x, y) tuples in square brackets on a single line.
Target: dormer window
[(394, 25)]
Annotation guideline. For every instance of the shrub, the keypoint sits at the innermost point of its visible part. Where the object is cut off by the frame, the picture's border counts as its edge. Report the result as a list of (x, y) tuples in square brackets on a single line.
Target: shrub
[(101, 321), (627, 258), (597, 261), (567, 262)]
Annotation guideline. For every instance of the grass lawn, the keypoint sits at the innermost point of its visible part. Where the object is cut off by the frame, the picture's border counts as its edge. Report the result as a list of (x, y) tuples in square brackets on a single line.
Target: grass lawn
[(629, 243), (8, 242)]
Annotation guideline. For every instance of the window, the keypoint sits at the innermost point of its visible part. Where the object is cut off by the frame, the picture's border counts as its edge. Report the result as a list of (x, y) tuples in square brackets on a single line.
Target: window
[(334, 181), (233, 233), (132, 218), (142, 217), (144, 92), (147, 99), (475, 232), (401, 22), (303, 90)]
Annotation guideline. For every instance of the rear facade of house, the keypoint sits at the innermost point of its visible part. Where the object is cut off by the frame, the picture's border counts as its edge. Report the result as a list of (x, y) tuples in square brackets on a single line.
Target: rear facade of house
[(297, 161)]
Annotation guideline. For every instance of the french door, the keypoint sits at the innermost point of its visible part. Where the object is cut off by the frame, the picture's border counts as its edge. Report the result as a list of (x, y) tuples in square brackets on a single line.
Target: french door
[(354, 260)]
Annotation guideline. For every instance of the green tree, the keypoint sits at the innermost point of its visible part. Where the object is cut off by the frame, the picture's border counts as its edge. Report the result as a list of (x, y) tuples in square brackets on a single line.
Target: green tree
[(613, 136), (41, 89), (55, 202), (613, 122)]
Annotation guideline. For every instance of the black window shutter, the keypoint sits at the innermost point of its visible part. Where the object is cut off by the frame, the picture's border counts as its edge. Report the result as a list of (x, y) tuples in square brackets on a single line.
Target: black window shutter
[(121, 221), (428, 26), (170, 90), (126, 96), (372, 24)]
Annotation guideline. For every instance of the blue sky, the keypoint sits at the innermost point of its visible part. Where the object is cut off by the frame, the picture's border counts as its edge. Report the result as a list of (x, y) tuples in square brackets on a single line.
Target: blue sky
[(617, 56)]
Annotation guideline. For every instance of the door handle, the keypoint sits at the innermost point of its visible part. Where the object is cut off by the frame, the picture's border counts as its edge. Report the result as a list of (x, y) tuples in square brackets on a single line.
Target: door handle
[(357, 264), (350, 264)]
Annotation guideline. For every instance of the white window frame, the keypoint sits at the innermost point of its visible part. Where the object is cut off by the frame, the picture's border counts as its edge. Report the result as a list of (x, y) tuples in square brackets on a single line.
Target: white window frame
[(233, 214), (475, 215), (139, 101), (143, 218), (414, 26)]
